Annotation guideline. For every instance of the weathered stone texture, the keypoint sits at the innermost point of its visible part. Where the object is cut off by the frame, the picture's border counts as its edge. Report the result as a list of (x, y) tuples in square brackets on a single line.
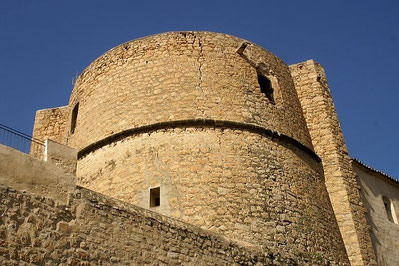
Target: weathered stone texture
[(328, 142), (224, 181), (251, 176), (95, 230), (50, 124), (243, 185), (178, 76)]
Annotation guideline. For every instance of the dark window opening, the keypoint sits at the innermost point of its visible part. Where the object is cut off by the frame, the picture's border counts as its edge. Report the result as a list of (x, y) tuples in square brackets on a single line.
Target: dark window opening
[(74, 118), (388, 208), (155, 197), (266, 87)]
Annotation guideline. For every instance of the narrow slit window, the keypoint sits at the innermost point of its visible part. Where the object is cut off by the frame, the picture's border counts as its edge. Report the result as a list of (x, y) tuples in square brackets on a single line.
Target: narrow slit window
[(388, 208), (266, 87), (74, 118), (155, 197)]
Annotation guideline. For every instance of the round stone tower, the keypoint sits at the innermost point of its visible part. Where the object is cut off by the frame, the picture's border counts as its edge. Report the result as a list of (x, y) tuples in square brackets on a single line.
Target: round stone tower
[(206, 128)]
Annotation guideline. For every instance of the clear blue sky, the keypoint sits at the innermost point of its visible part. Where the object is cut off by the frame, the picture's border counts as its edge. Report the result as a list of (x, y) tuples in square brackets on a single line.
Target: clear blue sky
[(45, 44)]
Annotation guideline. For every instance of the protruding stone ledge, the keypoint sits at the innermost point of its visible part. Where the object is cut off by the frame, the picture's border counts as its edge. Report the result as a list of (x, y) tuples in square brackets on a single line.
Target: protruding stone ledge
[(198, 123)]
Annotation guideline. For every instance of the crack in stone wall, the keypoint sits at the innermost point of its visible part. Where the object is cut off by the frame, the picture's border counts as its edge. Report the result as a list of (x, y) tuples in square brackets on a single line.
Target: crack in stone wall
[(200, 61)]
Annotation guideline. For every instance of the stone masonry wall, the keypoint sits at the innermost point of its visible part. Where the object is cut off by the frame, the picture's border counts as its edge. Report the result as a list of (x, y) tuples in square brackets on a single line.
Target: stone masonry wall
[(328, 142), (46, 220), (241, 184), (95, 230), (236, 183), (225, 181), (50, 123), (178, 76)]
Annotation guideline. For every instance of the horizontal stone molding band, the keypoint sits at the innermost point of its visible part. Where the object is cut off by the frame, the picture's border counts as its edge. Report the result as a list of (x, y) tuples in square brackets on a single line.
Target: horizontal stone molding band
[(198, 123)]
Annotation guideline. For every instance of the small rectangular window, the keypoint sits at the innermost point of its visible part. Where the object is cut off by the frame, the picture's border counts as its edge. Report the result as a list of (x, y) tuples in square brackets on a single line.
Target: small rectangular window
[(155, 197)]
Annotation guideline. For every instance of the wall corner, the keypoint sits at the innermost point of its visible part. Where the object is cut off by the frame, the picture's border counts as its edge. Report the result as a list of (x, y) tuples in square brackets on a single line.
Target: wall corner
[(62, 156), (51, 124), (328, 141)]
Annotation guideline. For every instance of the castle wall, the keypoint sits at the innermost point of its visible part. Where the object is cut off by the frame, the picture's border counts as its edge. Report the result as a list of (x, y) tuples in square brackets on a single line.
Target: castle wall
[(40, 224), (178, 76), (187, 111), (94, 229), (328, 142), (384, 232), (225, 181), (51, 124), (47, 220), (246, 185)]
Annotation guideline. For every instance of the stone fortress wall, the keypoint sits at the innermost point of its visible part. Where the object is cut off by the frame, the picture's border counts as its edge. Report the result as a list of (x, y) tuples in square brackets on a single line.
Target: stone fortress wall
[(184, 111), (47, 220), (179, 76), (239, 183), (328, 141), (234, 194)]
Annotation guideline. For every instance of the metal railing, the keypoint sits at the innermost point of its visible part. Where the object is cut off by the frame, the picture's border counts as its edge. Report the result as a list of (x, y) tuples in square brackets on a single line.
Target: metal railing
[(21, 141)]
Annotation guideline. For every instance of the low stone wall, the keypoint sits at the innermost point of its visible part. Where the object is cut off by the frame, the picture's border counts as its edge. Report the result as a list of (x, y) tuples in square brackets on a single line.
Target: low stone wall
[(23, 172), (95, 230)]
